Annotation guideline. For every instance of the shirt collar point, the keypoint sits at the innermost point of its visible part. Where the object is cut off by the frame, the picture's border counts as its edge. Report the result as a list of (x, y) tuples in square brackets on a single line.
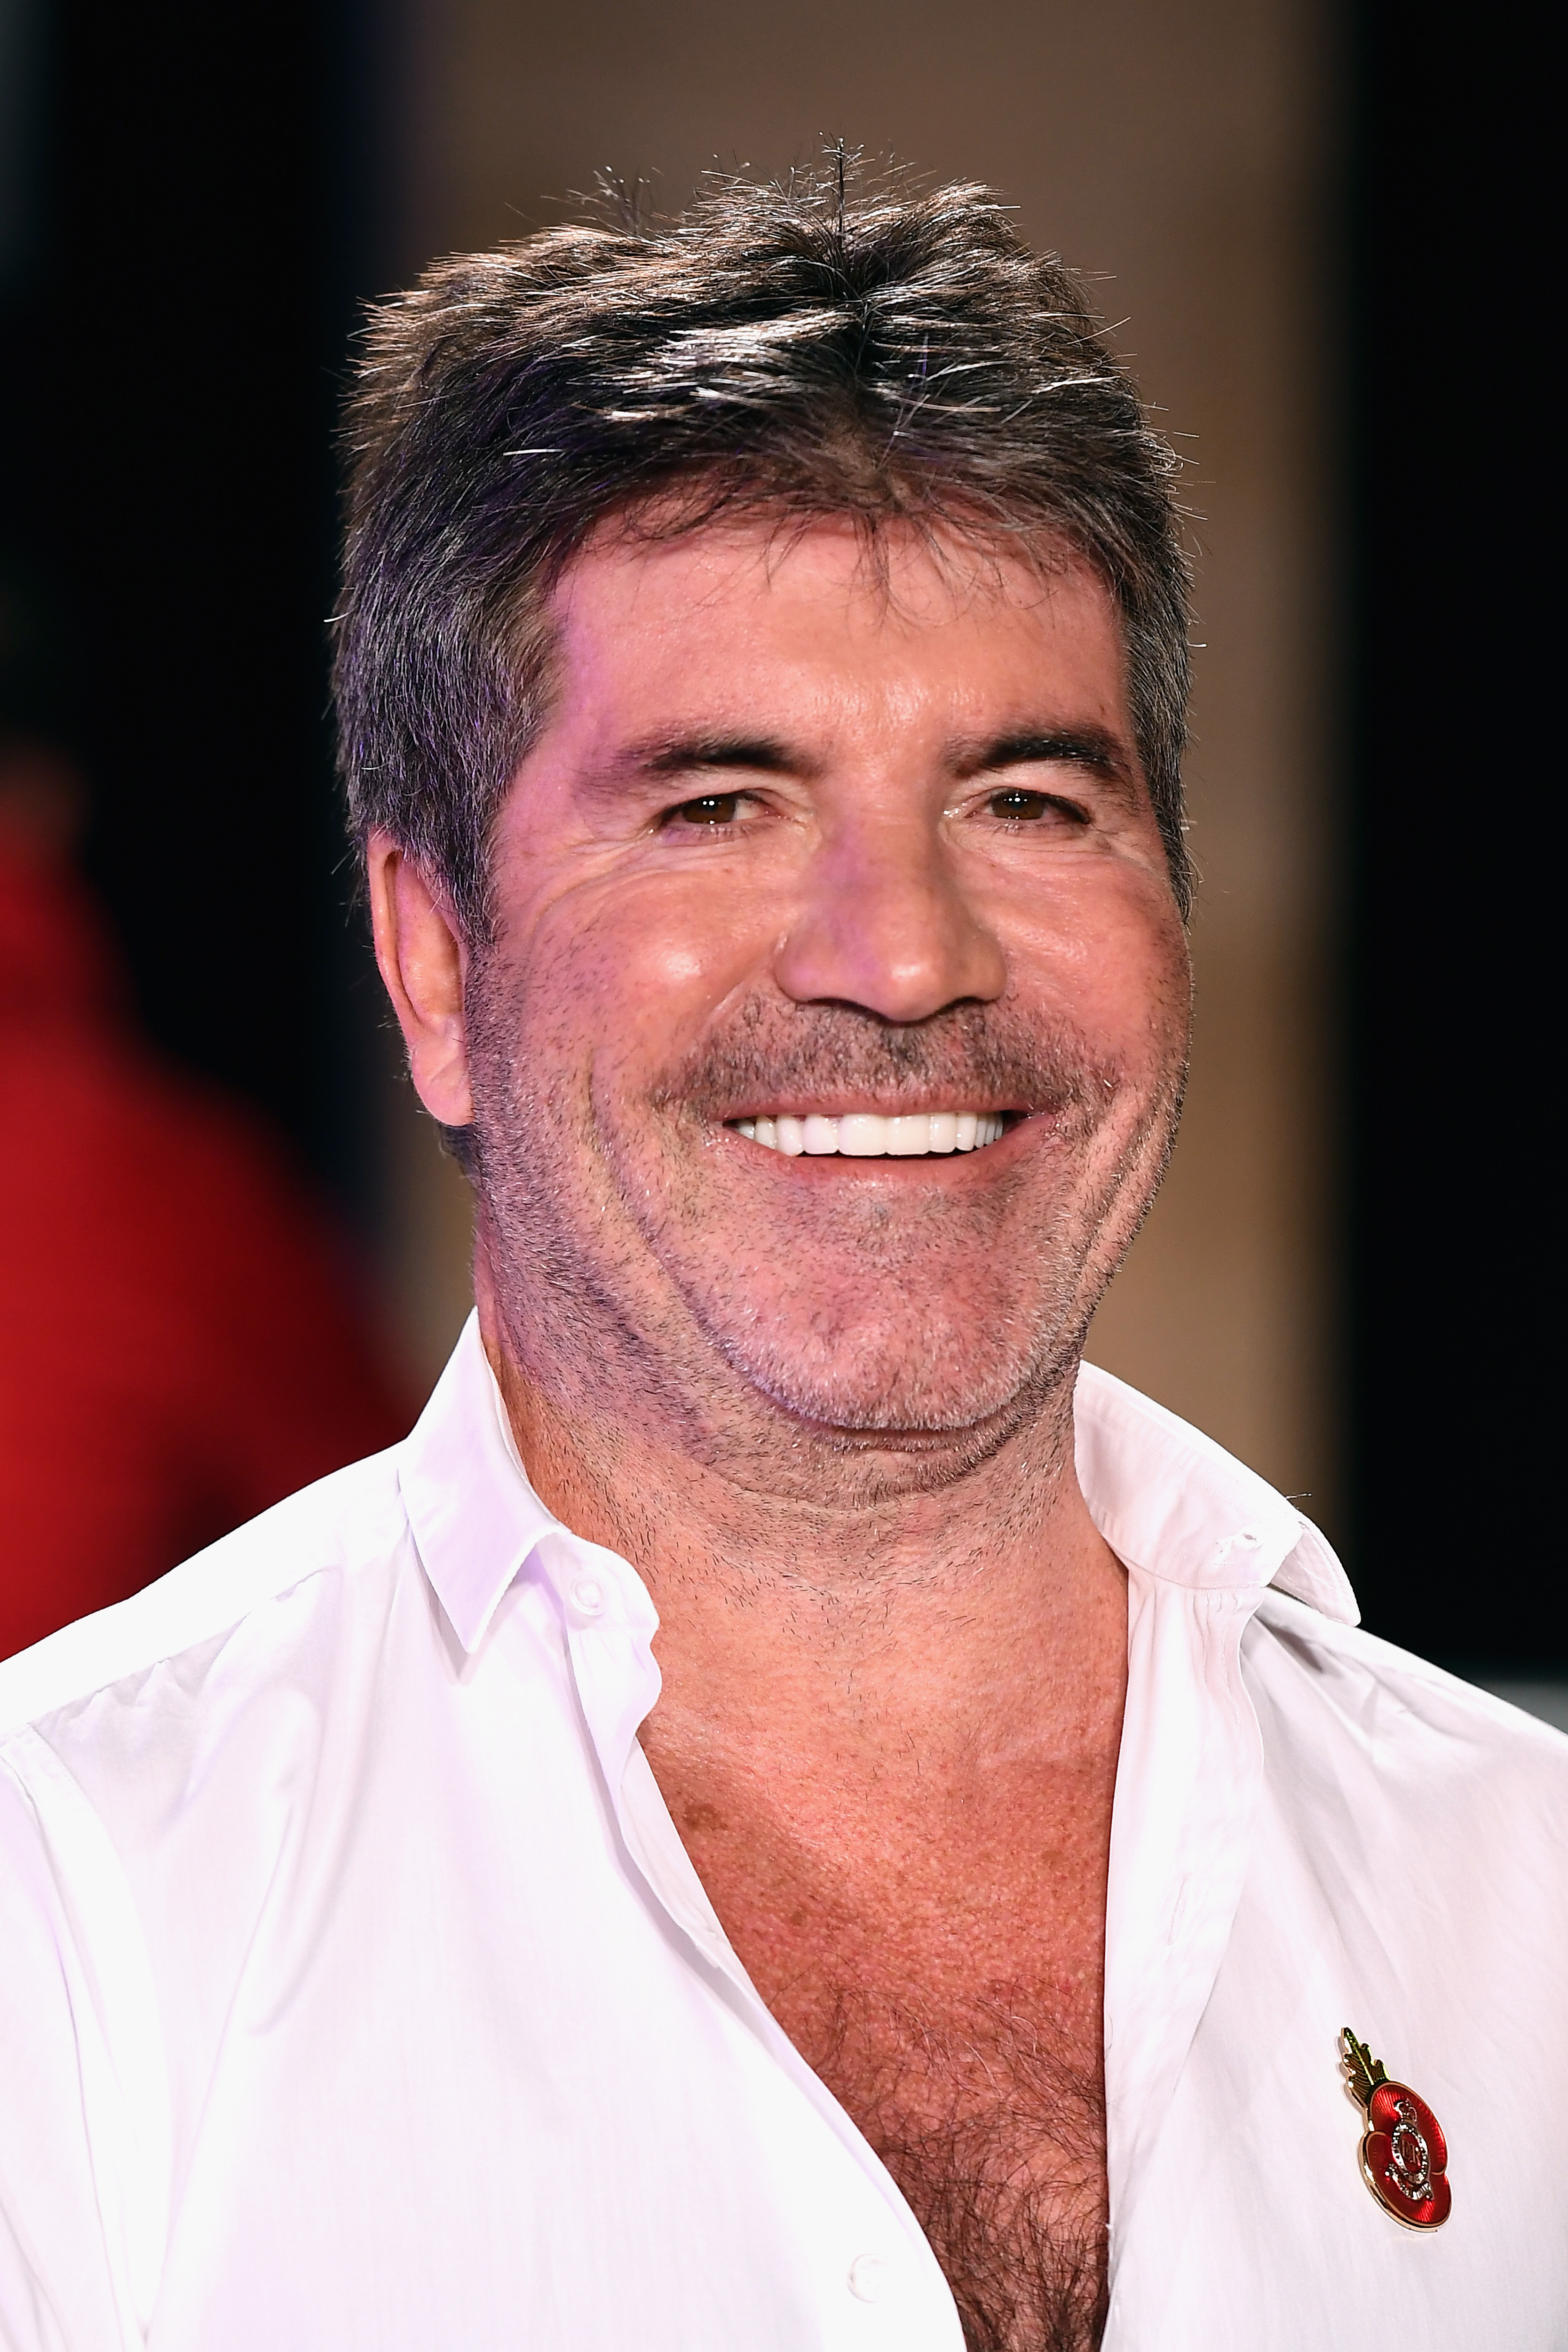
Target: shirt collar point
[(1312, 1572), (1173, 1502), (478, 1522), (475, 1519)]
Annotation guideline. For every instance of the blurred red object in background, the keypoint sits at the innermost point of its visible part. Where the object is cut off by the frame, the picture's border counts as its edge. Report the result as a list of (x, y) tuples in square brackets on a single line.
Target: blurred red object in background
[(180, 1338)]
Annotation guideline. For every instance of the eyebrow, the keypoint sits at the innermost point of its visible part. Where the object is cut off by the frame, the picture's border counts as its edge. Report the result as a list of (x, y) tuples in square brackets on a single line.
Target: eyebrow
[(1081, 747), (679, 755), (659, 758)]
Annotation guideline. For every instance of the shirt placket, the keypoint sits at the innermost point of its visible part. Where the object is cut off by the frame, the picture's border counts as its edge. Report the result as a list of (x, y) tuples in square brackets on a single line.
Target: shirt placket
[(610, 1626), (1187, 1785)]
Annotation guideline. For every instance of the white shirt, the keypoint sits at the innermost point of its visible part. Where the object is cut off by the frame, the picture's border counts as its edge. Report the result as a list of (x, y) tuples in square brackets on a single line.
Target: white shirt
[(358, 1995)]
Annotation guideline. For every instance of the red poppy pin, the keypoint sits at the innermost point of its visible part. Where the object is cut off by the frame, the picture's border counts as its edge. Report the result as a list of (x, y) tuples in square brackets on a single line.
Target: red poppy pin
[(1403, 2156)]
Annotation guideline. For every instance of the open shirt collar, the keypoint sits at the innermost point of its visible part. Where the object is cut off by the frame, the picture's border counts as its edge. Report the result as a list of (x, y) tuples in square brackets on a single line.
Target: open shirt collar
[(1168, 1500)]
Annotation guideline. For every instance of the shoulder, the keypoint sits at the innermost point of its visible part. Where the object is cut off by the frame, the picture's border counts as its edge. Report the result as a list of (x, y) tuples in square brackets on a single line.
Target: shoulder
[(270, 1581), (1380, 1691), (1363, 1733)]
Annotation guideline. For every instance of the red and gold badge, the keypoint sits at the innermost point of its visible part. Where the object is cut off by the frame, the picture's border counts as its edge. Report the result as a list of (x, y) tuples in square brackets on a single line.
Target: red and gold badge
[(1403, 2156)]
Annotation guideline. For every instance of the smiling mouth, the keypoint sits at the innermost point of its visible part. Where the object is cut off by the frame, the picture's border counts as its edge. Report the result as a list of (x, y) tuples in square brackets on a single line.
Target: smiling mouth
[(865, 1135)]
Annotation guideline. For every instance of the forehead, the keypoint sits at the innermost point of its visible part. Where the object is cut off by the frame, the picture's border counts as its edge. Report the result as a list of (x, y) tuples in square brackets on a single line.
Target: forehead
[(817, 617)]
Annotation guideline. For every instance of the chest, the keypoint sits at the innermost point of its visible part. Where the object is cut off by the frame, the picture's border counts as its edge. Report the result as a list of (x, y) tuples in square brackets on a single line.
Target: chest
[(946, 1982)]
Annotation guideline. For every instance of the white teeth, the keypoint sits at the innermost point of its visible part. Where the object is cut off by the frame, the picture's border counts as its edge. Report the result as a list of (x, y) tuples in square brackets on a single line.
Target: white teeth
[(907, 1138), (866, 1135)]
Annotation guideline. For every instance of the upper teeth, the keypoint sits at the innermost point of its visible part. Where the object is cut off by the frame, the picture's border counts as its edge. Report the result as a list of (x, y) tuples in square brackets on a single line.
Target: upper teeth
[(863, 1135)]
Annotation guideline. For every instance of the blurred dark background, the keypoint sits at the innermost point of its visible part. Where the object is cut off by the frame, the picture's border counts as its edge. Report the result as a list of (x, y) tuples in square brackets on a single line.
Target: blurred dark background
[(1451, 1016), (189, 223), (192, 206)]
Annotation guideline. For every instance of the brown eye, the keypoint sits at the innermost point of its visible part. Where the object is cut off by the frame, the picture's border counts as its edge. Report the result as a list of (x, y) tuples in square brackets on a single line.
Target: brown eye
[(1019, 807), (712, 808)]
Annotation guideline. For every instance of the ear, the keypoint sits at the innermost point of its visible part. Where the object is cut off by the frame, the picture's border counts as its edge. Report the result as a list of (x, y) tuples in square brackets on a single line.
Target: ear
[(419, 948)]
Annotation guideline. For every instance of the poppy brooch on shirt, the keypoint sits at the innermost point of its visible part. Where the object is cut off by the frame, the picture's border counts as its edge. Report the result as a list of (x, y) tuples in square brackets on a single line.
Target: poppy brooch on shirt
[(1403, 2156)]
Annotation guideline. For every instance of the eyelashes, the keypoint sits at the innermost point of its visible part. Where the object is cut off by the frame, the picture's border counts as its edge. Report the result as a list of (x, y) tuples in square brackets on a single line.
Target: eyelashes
[(1015, 804), (1018, 805)]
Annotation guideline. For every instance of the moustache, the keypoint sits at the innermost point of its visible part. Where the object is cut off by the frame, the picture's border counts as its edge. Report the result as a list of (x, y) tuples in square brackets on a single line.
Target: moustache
[(983, 1056)]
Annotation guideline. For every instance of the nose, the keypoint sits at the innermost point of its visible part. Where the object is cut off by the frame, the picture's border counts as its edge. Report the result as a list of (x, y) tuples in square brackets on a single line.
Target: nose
[(884, 924)]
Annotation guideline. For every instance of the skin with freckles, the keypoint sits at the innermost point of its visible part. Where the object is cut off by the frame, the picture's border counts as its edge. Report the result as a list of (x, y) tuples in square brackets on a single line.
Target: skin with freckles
[(802, 835)]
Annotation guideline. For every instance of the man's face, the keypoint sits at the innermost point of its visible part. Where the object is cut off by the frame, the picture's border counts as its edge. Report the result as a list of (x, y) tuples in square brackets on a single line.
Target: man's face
[(803, 845)]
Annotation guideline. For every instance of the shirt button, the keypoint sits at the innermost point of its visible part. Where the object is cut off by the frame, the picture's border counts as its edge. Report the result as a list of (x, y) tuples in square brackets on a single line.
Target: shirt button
[(588, 1597), (868, 2277)]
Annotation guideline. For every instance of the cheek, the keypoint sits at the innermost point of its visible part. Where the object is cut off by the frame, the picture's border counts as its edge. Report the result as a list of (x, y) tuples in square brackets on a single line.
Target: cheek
[(638, 972), (1110, 954)]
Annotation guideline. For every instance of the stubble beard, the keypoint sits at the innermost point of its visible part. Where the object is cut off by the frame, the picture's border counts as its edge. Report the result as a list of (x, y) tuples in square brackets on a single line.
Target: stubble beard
[(918, 1332)]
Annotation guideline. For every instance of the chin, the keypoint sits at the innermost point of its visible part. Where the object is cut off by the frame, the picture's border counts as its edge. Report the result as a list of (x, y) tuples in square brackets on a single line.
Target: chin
[(880, 1379)]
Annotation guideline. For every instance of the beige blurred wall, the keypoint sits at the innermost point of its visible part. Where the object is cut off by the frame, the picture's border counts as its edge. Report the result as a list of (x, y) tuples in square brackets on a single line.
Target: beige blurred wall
[(1184, 151)]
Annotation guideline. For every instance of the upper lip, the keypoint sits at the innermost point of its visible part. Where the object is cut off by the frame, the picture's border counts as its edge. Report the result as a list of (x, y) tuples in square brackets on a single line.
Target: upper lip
[(834, 1106)]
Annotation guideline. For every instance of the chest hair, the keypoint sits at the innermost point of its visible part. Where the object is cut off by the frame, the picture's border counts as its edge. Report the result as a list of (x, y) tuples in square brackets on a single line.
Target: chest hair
[(990, 2115)]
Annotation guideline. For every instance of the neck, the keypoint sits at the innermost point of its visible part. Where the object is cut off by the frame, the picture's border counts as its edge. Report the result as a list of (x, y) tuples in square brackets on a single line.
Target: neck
[(912, 1603)]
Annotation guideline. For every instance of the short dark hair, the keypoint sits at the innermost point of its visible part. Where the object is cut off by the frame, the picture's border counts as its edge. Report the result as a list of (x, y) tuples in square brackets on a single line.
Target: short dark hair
[(842, 343)]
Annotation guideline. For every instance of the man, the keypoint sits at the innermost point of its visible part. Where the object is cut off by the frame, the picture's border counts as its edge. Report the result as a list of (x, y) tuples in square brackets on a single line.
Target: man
[(788, 1813)]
